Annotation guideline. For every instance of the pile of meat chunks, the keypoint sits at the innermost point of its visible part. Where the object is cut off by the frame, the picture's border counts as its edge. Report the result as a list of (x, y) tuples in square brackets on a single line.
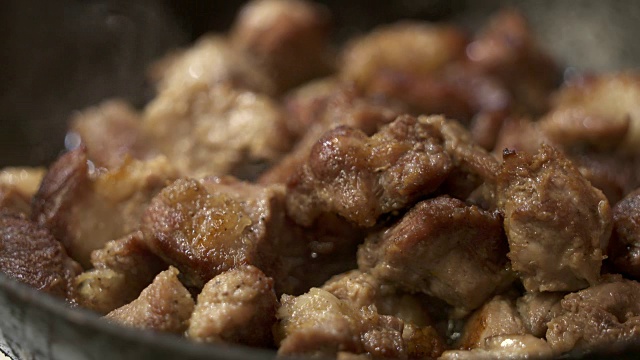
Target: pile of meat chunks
[(418, 193)]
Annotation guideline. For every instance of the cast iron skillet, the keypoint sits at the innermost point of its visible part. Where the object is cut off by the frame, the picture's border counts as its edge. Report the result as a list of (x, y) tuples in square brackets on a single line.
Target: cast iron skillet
[(78, 53)]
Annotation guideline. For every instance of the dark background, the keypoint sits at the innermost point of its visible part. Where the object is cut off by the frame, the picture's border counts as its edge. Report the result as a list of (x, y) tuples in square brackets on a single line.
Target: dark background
[(60, 56)]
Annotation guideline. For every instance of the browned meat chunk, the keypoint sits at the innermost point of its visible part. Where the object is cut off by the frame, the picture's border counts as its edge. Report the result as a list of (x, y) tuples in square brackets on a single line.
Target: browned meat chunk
[(316, 113), (556, 222), (84, 209), (444, 248), (624, 250), (602, 317), (306, 105), (361, 178), (318, 323), (496, 317), (209, 227), (164, 306), (29, 254), (537, 309), (217, 130), (289, 38), (409, 48), (211, 60), (122, 269), (506, 347), (110, 131), (507, 49), (237, 306)]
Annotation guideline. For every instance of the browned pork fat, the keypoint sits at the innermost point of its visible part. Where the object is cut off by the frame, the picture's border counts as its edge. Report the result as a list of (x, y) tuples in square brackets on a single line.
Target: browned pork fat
[(29, 254), (12, 199), (164, 306), (444, 248), (603, 317), (318, 323), (84, 209), (537, 309), (237, 306), (17, 186), (624, 250), (556, 222), (511, 347), (217, 130), (361, 178), (289, 38), (121, 270)]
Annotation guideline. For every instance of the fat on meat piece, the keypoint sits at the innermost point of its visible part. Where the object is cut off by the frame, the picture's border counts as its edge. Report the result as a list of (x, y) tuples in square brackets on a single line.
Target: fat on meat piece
[(505, 347), (319, 324), (290, 39), (557, 224), (164, 306), (205, 228), (26, 180), (31, 255), (85, 209), (217, 130), (602, 317), (444, 248), (111, 132), (360, 177), (12, 199), (624, 249), (210, 61), (507, 49), (121, 270), (313, 110), (407, 47), (497, 317), (237, 306), (538, 308)]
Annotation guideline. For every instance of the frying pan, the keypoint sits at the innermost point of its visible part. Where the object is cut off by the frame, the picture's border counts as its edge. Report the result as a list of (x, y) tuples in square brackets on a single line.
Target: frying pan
[(57, 57)]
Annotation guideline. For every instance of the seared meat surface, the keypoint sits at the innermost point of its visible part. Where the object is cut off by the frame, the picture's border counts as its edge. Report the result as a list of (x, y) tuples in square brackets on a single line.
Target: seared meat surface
[(31, 255), (237, 306), (557, 224), (163, 306), (537, 309), (625, 244)]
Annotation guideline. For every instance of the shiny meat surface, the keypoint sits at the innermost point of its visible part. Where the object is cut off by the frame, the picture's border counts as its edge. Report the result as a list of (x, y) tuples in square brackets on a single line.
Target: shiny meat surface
[(506, 347), (444, 248), (361, 178), (237, 306), (31, 255), (537, 309), (217, 130), (24, 179), (289, 38), (556, 222), (121, 270), (602, 317), (163, 306), (624, 250), (84, 209)]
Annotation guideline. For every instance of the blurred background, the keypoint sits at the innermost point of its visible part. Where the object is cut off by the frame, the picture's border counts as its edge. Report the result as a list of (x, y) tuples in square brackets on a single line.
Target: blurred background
[(59, 56)]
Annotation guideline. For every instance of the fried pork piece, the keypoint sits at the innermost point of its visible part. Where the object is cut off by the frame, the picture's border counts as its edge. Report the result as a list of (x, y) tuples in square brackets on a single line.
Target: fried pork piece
[(110, 131), (237, 306), (29, 254), (409, 48), (510, 347), (361, 178), (121, 270), (537, 309), (289, 38), (24, 179), (217, 130), (211, 60), (497, 317), (624, 249), (319, 324), (602, 317), (444, 248), (556, 222), (317, 108), (205, 228), (164, 306), (507, 49), (85, 209), (12, 199)]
